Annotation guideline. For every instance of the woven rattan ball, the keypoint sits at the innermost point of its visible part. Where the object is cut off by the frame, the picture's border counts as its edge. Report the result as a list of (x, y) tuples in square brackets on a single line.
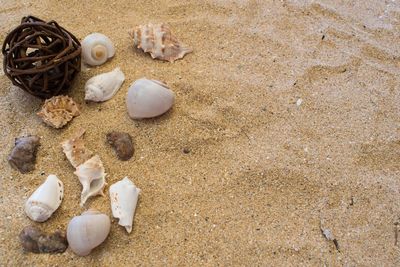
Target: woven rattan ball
[(41, 58)]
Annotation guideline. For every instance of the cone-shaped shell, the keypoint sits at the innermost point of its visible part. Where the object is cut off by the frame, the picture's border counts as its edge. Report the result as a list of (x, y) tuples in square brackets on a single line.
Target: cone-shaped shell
[(45, 200), (159, 41), (92, 177), (75, 150), (87, 231), (97, 49), (148, 98), (104, 86), (124, 196), (58, 111)]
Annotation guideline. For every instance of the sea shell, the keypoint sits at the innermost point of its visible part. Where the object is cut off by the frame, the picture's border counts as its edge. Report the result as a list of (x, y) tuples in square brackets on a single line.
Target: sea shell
[(87, 231), (34, 240), (97, 49), (124, 196), (75, 149), (148, 98), (122, 144), (104, 86), (58, 111), (92, 177), (159, 41), (45, 200), (23, 155)]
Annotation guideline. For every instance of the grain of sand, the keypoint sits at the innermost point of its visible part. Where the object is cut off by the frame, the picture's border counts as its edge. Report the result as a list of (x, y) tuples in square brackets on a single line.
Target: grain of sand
[(263, 174)]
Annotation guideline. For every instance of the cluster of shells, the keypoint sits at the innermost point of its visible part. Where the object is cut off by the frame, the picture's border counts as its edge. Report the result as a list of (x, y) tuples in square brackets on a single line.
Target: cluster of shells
[(146, 98)]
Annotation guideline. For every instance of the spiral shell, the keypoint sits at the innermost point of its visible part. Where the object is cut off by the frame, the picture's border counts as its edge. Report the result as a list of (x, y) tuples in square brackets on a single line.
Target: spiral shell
[(159, 41), (104, 86), (87, 231), (148, 98), (45, 200), (97, 49), (92, 177)]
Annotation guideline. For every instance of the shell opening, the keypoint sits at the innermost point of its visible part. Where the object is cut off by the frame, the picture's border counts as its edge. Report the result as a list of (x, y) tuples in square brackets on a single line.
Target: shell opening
[(99, 52)]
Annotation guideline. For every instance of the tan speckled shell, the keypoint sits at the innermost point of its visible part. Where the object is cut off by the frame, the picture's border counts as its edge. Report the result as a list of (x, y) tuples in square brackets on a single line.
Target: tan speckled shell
[(58, 111), (159, 42), (75, 150)]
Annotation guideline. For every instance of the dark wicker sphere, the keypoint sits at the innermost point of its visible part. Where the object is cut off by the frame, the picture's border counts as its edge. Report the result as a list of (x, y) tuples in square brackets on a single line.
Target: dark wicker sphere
[(41, 58)]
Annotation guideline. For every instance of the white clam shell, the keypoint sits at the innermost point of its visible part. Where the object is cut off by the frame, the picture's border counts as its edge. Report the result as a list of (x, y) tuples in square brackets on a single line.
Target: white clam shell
[(45, 200), (92, 177), (97, 49), (148, 98), (87, 231), (124, 196), (104, 86)]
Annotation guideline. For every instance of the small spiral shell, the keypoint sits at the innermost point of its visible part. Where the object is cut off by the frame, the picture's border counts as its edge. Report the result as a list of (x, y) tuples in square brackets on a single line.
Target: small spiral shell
[(97, 49)]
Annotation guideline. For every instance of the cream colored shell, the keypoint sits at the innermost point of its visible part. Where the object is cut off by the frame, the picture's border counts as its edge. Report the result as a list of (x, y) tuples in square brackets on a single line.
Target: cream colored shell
[(87, 231), (124, 196), (58, 111), (45, 200), (148, 98), (159, 41), (104, 86), (97, 49), (92, 177), (75, 149)]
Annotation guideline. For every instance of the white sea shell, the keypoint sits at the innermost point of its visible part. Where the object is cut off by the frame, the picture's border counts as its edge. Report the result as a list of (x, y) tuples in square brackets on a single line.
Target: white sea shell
[(148, 98), (96, 49), (45, 200), (104, 86), (92, 177), (87, 231), (124, 196), (75, 150)]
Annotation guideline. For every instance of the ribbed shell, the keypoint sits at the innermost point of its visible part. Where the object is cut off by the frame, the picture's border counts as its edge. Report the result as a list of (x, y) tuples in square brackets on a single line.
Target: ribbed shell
[(159, 41), (58, 111)]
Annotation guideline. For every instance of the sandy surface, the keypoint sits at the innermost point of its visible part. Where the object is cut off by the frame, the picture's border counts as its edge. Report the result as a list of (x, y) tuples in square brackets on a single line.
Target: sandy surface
[(263, 174)]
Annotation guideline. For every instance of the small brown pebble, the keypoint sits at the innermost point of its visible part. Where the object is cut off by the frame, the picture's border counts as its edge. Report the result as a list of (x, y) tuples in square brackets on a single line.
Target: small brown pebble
[(122, 144), (186, 150), (34, 240), (23, 155)]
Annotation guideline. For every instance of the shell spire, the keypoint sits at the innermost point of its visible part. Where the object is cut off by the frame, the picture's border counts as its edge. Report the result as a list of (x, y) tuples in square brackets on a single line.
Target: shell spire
[(159, 41)]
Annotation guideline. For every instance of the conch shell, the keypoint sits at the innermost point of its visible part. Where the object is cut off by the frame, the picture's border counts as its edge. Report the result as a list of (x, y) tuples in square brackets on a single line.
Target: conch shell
[(97, 49), (92, 177), (159, 41), (148, 98), (104, 86), (75, 149), (87, 231), (45, 200), (58, 111), (124, 196), (23, 155)]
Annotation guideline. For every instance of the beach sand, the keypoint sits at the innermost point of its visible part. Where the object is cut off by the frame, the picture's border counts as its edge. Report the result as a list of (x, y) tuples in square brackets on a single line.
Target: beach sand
[(266, 171)]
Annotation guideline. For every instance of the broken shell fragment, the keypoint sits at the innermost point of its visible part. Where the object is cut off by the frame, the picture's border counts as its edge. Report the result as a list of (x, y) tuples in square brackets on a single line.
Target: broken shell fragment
[(97, 49), (159, 41), (45, 200), (23, 155), (148, 98), (104, 86), (124, 196), (122, 144), (87, 231), (34, 240), (58, 111), (92, 177), (75, 150)]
